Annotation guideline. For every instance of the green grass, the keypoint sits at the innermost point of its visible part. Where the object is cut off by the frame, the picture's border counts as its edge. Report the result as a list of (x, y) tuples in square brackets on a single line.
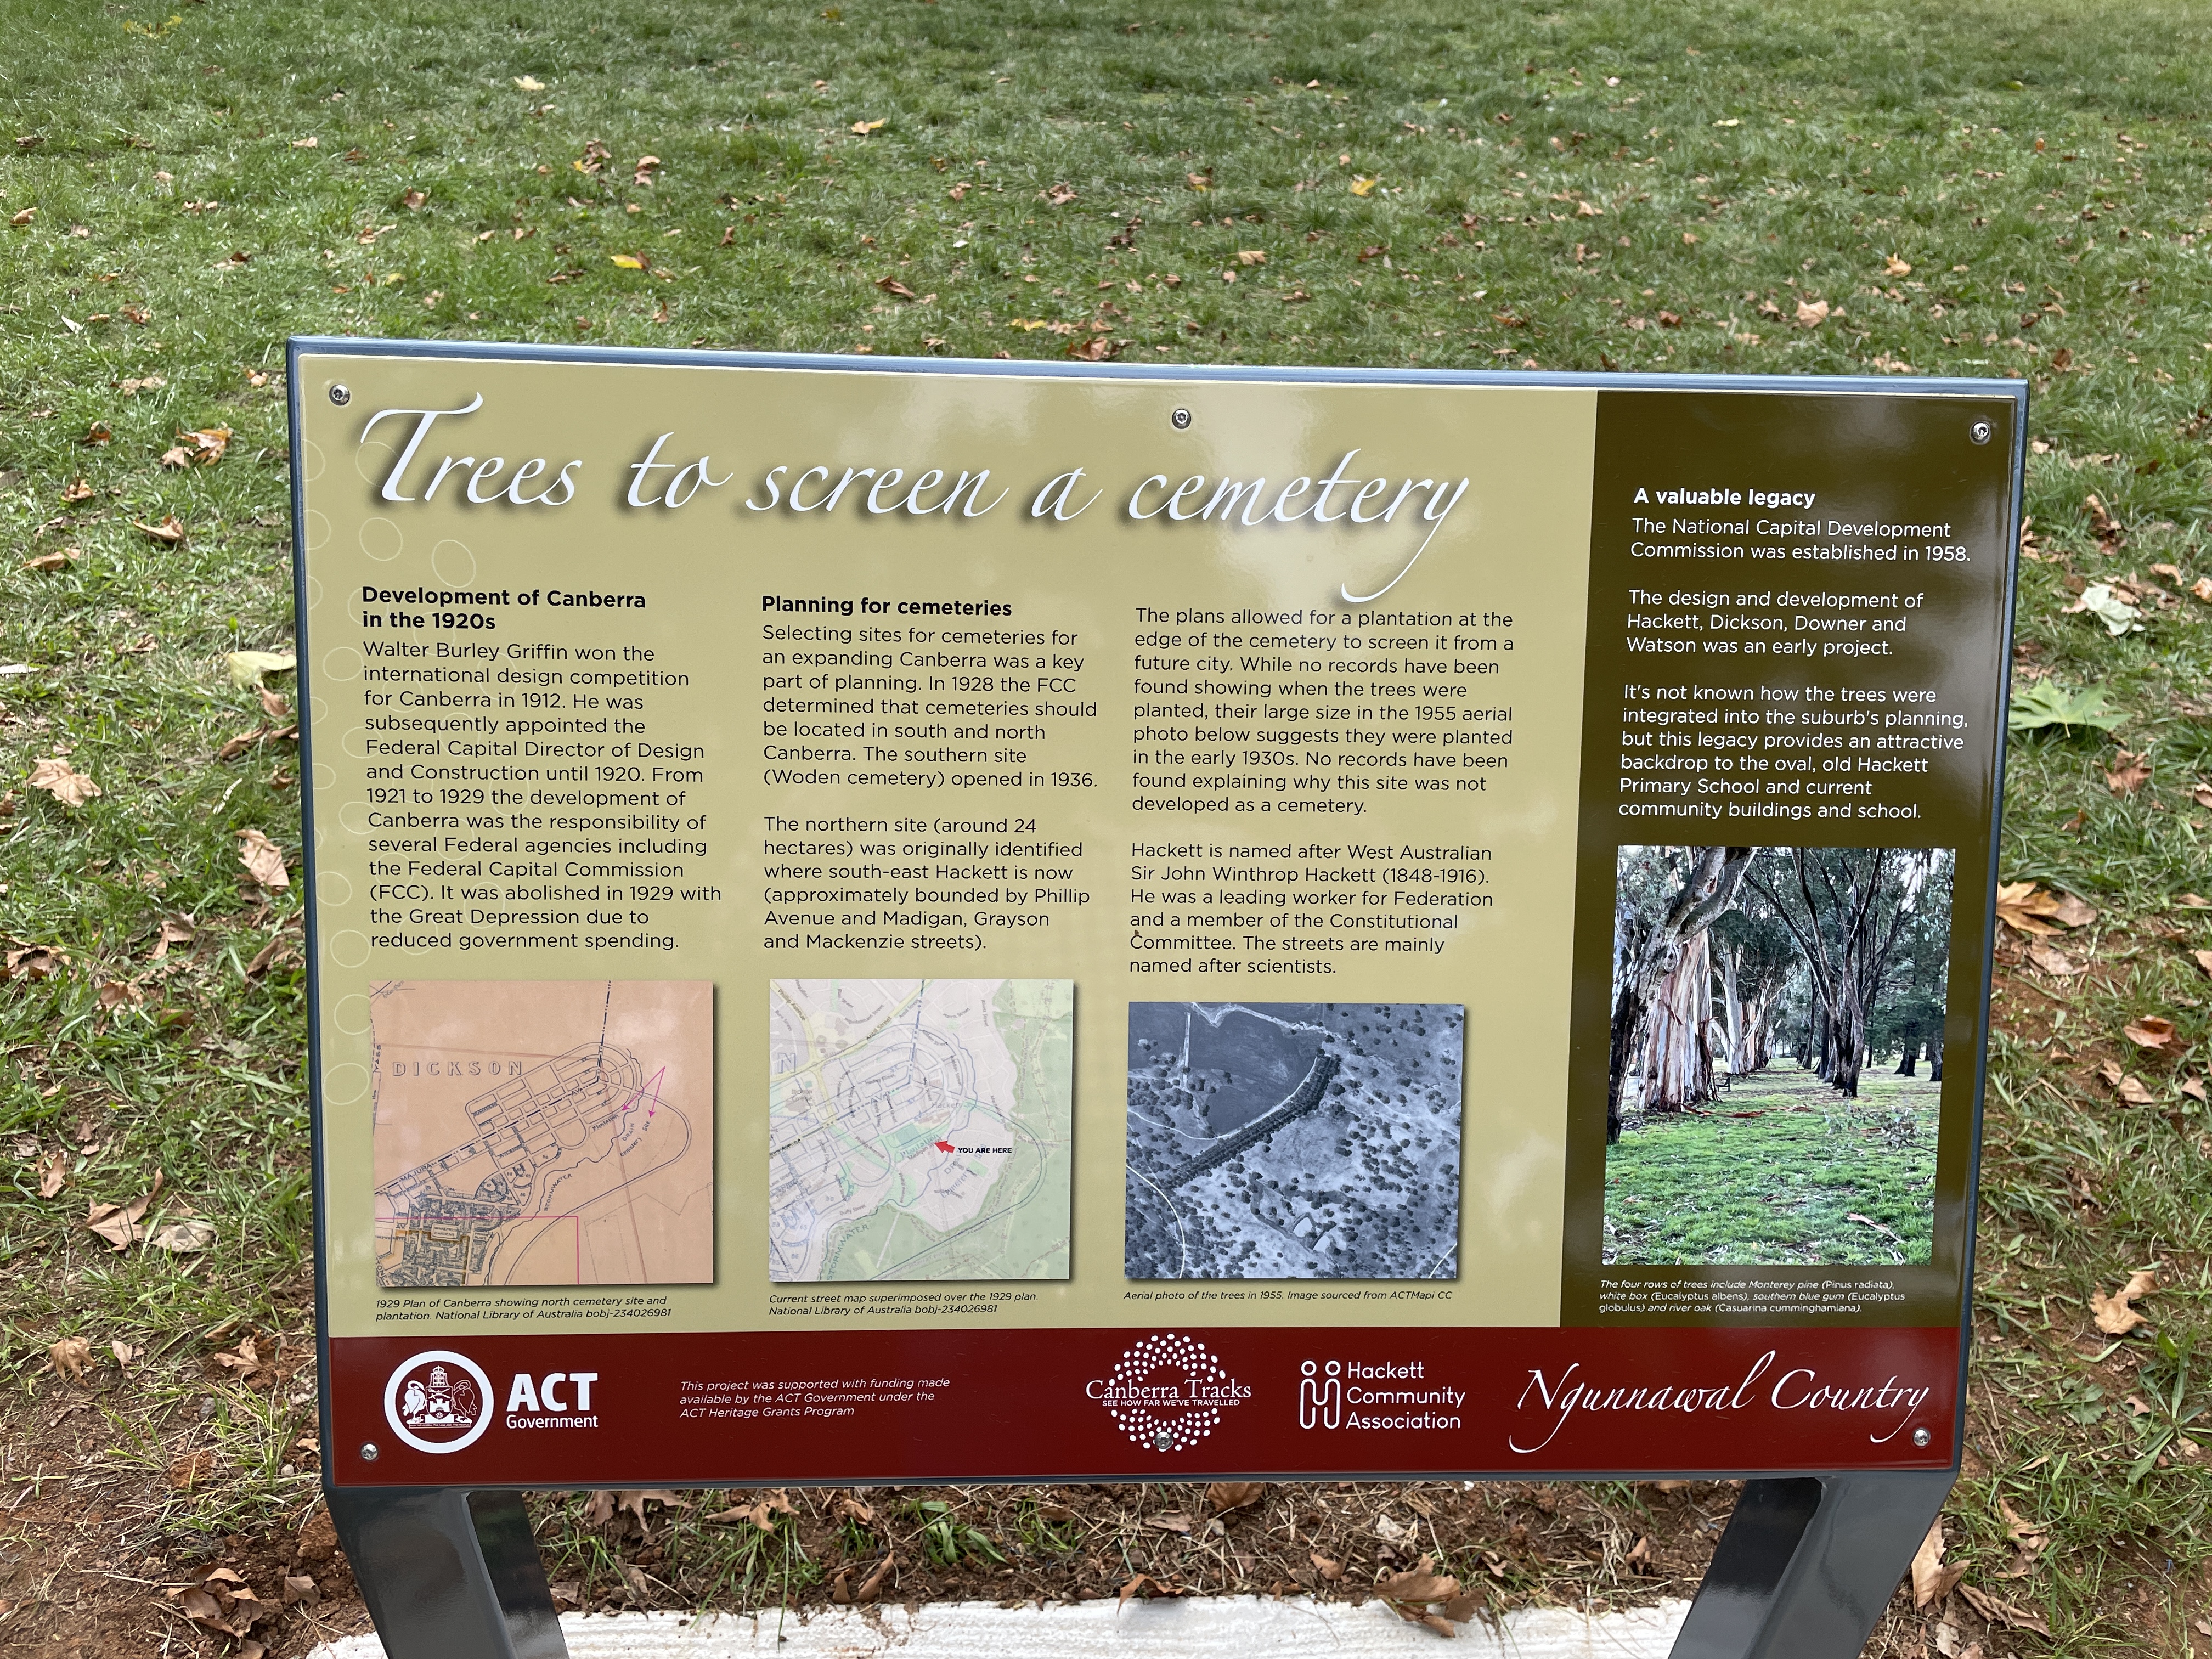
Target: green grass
[(2040, 165), (1779, 1171)]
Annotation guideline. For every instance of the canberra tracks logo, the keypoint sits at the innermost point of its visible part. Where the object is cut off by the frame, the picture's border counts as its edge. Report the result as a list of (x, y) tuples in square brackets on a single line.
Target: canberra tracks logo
[(438, 1401), (1168, 1392)]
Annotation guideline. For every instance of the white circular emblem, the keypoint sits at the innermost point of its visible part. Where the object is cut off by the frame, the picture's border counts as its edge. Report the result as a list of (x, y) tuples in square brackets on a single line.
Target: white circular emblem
[(1164, 1416), (438, 1401)]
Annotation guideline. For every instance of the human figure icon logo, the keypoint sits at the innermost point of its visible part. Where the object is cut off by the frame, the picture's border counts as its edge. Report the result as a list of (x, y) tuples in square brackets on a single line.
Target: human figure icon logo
[(1321, 1399)]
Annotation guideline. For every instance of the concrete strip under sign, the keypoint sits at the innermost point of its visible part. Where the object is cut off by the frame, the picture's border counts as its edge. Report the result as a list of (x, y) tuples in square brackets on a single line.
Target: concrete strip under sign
[(1200, 1627)]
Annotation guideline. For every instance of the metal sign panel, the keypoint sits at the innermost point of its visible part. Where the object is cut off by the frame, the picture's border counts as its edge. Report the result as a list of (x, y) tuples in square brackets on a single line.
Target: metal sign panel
[(898, 921)]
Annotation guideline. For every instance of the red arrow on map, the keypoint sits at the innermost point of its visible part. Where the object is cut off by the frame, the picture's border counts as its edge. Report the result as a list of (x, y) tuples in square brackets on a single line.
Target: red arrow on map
[(946, 1147)]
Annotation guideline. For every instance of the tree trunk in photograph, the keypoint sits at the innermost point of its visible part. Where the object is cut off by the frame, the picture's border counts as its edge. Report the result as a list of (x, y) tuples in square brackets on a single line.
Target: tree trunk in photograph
[(1935, 1059), (1681, 1064), (1905, 1062), (1732, 1006), (1715, 874)]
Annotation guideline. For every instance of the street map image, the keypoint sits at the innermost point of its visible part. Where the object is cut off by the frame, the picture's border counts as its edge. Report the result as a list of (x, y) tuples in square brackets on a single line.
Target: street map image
[(543, 1132), (919, 1128)]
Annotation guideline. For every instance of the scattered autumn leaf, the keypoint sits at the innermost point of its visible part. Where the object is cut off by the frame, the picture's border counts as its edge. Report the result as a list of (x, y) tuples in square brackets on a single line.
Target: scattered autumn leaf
[(1999, 1611), (864, 128), (263, 859), (187, 1472), (298, 1587), (169, 532), (118, 1223), (126, 1355), (1811, 314), (1931, 1579), (175, 930), (895, 289), (76, 490), (2054, 961), (2026, 909), (1363, 186), (53, 1171), (182, 1238), (1330, 1571), (2128, 773), (1251, 255), (630, 261), (1896, 267), (1224, 1496), (2153, 1032), (2116, 1314), (64, 782), (248, 667), (70, 1356), (60, 559), (36, 962), (1058, 196)]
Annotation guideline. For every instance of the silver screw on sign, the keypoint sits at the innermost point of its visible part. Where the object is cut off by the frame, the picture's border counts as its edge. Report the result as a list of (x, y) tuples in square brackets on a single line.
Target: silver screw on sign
[(1164, 1439), (1981, 432), (368, 1451), (1921, 1437), (341, 395), (1180, 420)]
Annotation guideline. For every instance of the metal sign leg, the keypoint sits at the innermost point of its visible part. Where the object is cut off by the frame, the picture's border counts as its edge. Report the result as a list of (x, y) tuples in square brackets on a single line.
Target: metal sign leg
[(448, 1572), (1805, 1566)]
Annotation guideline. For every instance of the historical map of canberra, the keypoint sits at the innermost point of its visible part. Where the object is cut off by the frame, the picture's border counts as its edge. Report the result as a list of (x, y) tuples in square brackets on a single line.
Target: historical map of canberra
[(919, 1128), (545, 1132)]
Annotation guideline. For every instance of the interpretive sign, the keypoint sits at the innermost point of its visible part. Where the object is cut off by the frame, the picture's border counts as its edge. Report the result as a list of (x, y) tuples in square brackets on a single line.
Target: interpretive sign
[(889, 922)]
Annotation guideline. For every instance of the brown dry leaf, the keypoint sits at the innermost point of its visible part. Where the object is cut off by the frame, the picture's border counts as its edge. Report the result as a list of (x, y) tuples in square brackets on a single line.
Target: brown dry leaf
[(2028, 909), (2129, 774), (264, 859), (1330, 1571), (1998, 1611), (183, 1237), (118, 1223), (2110, 1070), (244, 1359), (298, 1587), (176, 456), (601, 1508), (1224, 1496), (196, 1604), (60, 559), (1896, 267), (185, 1473), (1811, 314), (175, 930), (2106, 527), (132, 388), (234, 747), (1059, 195), (2194, 1087), (114, 992), (126, 1355), (169, 532), (2132, 1091), (1251, 255), (70, 1356), (1423, 1583), (53, 1172), (2152, 1032), (64, 782), (2054, 961), (864, 128), (2203, 960), (1096, 349), (1145, 1584), (1931, 1579), (895, 289), (1178, 1523), (206, 445), (36, 962), (77, 490), (2116, 1314), (852, 1506), (273, 705)]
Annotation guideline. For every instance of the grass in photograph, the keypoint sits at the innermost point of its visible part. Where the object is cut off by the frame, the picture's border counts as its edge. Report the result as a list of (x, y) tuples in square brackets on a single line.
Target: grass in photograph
[(2014, 190), (1781, 1171)]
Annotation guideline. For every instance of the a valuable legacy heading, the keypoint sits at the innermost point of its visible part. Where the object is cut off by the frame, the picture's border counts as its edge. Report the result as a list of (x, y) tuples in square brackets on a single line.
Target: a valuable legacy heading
[(667, 477)]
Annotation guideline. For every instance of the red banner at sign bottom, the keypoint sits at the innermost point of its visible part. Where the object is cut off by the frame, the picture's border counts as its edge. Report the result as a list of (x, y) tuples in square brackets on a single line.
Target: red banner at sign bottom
[(922, 1407)]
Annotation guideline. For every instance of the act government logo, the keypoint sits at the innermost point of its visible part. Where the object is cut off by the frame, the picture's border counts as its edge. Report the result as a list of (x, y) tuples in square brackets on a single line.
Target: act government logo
[(438, 1401), (1167, 1392)]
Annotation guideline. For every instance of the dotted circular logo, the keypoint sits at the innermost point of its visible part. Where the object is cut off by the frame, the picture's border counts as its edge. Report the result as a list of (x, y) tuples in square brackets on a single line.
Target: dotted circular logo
[(1165, 1392)]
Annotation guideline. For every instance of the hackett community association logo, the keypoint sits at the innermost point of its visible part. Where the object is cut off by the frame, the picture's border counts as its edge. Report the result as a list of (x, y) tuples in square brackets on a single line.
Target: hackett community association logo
[(438, 1401), (1168, 1392)]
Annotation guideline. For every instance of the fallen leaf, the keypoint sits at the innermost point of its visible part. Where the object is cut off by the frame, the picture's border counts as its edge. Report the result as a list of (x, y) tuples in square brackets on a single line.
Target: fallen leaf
[(196, 1604), (1251, 255), (1143, 1583), (895, 289), (65, 784), (263, 859), (1178, 1523), (2152, 1032), (60, 559), (2026, 909), (70, 1356), (630, 261), (205, 446), (36, 962), (274, 706), (1811, 314), (1329, 1570), (1998, 1611), (1896, 267), (413, 200), (309, 142), (1390, 1529), (2129, 774), (97, 434), (126, 1355), (1931, 1579), (169, 532), (298, 1587), (53, 1172), (118, 1223), (22, 218), (247, 668), (2116, 1314), (114, 992), (2102, 601), (1058, 196), (864, 128), (132, 388), (175, 930), (1224, 1496), (1363, 186), (2054, 961), (244, 1359), (647, 167), (2194, 1087), (529, 84), (182, 1238), (2131, 1090), (76, 490)]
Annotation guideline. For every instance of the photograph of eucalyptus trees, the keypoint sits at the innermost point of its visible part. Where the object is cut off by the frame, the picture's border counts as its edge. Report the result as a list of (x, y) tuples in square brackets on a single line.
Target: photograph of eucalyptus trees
[(1776, 1056)]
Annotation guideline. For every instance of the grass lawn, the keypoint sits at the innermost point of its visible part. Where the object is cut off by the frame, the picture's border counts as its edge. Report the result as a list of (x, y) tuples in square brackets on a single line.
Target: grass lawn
[(1588, 183), (1780, 1172)]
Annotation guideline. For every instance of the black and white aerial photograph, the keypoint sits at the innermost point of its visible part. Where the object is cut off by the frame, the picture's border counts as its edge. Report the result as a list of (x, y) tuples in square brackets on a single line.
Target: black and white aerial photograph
[(1294, 1140)]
